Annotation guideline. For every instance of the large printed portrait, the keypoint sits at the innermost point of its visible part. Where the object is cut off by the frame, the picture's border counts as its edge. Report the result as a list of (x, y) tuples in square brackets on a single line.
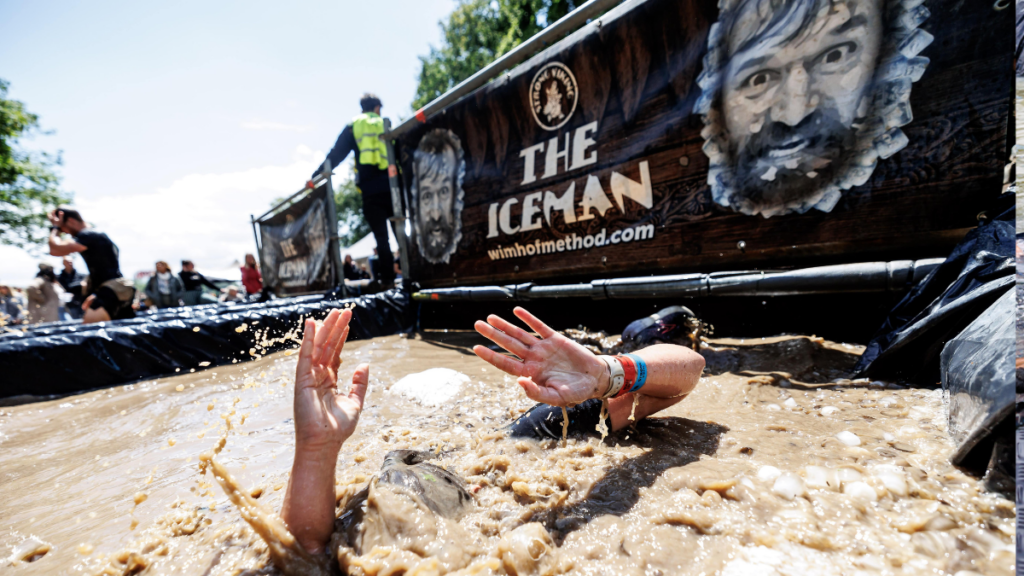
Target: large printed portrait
[(439, 169), (801, 98)]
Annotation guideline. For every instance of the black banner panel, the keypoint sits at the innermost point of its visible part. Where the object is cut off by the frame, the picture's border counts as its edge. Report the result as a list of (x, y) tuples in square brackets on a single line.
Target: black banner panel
[(294, 246), (703, 134)]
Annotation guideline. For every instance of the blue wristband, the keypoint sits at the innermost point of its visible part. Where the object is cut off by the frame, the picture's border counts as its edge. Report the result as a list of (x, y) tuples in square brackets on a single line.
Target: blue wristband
[(641, 372)]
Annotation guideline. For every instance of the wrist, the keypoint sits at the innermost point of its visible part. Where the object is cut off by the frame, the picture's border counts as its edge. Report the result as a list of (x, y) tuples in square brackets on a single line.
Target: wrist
[(317, 450)]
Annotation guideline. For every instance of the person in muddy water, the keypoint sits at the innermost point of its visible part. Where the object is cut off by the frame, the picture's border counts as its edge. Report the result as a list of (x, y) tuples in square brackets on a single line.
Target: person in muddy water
[(551, 369)]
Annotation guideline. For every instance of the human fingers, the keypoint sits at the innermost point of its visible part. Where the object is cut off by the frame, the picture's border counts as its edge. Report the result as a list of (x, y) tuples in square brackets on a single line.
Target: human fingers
[(344, 321), (534, 322), (540, 394), (331, 346), (323, 334), (501, 339), (305, 363), (336, 357), (500, 361), (360, 383), (512, 330)]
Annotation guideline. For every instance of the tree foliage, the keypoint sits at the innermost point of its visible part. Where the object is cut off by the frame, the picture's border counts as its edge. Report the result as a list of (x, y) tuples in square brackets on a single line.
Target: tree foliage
[(476, 33), (348, 203), (29, 187)]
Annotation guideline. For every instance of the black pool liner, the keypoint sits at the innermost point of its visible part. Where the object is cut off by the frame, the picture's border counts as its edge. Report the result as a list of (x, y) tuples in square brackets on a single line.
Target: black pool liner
[(66, 358), (980, 270)]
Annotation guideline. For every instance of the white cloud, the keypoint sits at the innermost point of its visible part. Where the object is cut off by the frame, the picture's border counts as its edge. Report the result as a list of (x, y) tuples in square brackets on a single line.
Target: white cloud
[(278, 126), (201, 217)]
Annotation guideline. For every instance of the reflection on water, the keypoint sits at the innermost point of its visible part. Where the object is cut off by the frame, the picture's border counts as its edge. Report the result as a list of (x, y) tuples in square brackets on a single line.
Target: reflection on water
[(754, 472)]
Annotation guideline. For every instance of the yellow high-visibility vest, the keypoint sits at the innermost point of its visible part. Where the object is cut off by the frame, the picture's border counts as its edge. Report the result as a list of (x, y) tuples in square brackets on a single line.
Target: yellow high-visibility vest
[(367, 128)]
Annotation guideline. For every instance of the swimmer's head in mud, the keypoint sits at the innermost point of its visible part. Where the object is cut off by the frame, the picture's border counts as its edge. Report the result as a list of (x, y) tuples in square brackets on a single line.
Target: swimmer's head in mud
[(438, 172), (797, 105), (443, 492)]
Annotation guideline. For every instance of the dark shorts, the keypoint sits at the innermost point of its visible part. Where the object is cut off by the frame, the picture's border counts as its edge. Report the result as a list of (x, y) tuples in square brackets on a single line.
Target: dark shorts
[(108, 300)]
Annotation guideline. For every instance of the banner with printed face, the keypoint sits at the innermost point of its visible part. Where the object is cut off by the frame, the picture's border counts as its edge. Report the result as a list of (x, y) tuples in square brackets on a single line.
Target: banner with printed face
[(683, 135), (294, 246)]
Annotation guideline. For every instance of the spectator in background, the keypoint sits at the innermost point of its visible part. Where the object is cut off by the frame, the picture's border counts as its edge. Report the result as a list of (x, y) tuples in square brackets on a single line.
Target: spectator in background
[(231, 294), (43, 301), (74, 284), (10, 307), (110, 294), (350, 269), (251, 277), (194, 282), (165, 288)]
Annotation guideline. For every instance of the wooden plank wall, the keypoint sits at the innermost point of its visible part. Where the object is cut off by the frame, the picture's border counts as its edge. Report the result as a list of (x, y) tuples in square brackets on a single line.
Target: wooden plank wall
[(637, 77)]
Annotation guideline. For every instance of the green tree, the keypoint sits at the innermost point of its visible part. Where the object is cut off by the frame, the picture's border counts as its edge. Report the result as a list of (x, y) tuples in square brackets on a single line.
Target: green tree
[(476, 33), (29, 186), (348, 204)]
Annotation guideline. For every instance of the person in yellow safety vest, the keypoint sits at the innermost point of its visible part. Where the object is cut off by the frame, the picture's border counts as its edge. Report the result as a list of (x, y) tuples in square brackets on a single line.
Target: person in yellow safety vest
[(362, 136)]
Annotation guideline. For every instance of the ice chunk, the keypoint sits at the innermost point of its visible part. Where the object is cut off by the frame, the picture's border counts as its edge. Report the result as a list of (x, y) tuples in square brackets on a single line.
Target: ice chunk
[(821, 478), (860, 491), (431, 387), (788, 486), (768, 473), (848, 438)]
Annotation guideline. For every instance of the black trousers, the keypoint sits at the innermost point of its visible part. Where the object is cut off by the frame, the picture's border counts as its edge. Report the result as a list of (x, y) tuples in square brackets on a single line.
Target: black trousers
[(377, 209)]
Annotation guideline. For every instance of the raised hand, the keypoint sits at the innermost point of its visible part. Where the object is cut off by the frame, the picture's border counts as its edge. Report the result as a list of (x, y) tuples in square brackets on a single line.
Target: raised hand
[(552, 369), (324, 417)]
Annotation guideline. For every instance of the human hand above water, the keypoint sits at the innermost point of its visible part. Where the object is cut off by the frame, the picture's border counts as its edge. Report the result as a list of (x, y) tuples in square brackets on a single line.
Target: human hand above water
[(553, 369), (324, 417)]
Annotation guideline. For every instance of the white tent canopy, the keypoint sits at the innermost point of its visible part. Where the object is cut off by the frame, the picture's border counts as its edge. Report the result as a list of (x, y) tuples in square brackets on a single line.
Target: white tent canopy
[(363, 248)]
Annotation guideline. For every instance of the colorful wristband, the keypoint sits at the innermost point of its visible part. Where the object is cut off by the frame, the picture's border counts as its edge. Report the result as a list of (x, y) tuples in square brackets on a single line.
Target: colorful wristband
[(629, 374), (616, 376), (641, 372)]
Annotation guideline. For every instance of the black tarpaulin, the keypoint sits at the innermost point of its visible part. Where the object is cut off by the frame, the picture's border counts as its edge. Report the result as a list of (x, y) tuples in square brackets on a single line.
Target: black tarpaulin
[(978, 271), (978, 384), (70, 358)]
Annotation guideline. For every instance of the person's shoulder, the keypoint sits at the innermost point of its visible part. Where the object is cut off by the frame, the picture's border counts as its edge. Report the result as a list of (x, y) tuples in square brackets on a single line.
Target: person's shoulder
[(90, 235)]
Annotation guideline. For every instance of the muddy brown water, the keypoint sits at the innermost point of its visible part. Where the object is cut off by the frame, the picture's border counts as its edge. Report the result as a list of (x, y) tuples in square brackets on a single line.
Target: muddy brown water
[(766, 469)]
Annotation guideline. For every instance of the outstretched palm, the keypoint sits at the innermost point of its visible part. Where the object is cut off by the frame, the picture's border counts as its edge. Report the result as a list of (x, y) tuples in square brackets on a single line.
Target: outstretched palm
[(553, 369), (324, 418)]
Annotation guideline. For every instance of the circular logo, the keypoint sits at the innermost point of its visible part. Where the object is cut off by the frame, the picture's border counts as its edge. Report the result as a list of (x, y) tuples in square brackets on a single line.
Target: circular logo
[(553, 95)]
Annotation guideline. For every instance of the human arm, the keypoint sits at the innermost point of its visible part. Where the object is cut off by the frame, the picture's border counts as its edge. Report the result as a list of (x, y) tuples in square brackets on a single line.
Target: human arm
[(345, 144), (206, 282), (58, 245), (555, 370), (324, 419)]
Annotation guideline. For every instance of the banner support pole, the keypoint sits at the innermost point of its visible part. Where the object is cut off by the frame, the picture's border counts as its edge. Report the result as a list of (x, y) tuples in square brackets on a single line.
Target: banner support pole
[(398, 219), (332, 218)]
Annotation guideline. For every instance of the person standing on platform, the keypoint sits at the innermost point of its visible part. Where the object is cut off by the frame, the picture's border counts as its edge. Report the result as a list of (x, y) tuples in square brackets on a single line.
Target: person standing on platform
[(110, 294), (362, 136)]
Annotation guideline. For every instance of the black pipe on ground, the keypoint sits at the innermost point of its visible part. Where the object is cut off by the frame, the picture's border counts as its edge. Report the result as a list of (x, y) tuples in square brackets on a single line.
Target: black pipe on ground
[(894, 276)]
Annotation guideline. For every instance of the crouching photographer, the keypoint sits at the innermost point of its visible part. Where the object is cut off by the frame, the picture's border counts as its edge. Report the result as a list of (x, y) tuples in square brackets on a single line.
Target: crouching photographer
[(110, 295)]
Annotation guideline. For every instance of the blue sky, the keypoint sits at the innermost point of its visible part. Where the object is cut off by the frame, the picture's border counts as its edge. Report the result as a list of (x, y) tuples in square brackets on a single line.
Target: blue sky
[(178, 120)]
